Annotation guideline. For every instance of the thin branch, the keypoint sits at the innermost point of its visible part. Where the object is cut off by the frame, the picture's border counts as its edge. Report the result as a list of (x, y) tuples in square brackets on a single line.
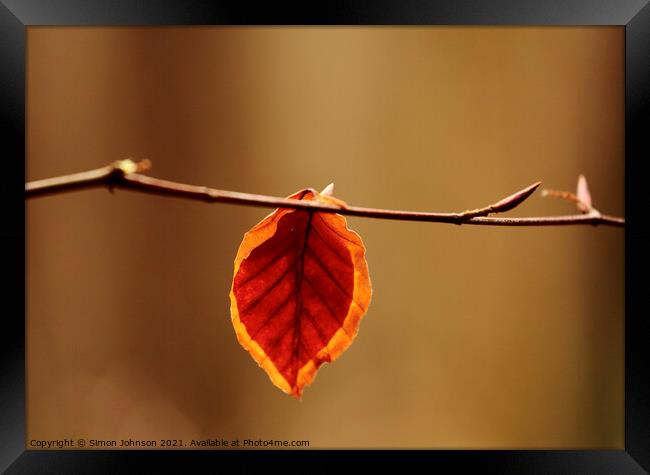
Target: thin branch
[(126, 174)]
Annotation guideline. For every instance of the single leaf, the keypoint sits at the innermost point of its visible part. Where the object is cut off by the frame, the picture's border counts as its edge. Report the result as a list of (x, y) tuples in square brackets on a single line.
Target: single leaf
[(583, 195), (299, 291)]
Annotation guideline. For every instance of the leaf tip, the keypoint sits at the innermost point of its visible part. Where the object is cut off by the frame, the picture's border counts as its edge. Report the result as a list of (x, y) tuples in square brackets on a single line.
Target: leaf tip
[(328, 190), (582, 192), (515, 199)]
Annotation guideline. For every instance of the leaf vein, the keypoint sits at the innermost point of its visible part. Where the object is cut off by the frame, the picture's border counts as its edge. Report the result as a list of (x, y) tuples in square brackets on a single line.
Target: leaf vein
[(336, 232), (332, 313), (320, 264), (266, 291), (273, 314)]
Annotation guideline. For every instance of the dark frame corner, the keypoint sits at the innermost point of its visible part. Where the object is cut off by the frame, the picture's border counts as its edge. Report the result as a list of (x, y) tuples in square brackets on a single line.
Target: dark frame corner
[(17, 15)]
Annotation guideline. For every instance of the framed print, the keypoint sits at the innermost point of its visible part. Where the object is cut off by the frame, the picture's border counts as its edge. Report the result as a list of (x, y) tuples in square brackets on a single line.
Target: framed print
[(156, 329)]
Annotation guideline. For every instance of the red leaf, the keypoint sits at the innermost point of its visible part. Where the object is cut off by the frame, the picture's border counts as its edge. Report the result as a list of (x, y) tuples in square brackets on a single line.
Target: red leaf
[(299, 291)]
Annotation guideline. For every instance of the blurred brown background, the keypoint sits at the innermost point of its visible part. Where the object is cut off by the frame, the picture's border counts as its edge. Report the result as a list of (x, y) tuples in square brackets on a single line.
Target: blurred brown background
[(476, 337)]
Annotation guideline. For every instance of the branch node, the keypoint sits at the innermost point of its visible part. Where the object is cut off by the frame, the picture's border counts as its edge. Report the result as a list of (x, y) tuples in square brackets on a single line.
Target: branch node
[(596, 215), (506, 204), (125, 166)]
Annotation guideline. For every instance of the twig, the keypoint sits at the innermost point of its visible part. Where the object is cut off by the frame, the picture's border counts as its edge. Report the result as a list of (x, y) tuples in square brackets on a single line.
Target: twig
[(126, 174)]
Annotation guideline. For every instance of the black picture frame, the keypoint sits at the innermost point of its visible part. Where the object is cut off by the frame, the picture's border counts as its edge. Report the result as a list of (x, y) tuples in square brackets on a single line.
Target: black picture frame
[(17, 15)]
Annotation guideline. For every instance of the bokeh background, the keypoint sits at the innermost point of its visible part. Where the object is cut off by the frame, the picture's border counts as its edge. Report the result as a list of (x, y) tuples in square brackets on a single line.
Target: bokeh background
[(476, 337)]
